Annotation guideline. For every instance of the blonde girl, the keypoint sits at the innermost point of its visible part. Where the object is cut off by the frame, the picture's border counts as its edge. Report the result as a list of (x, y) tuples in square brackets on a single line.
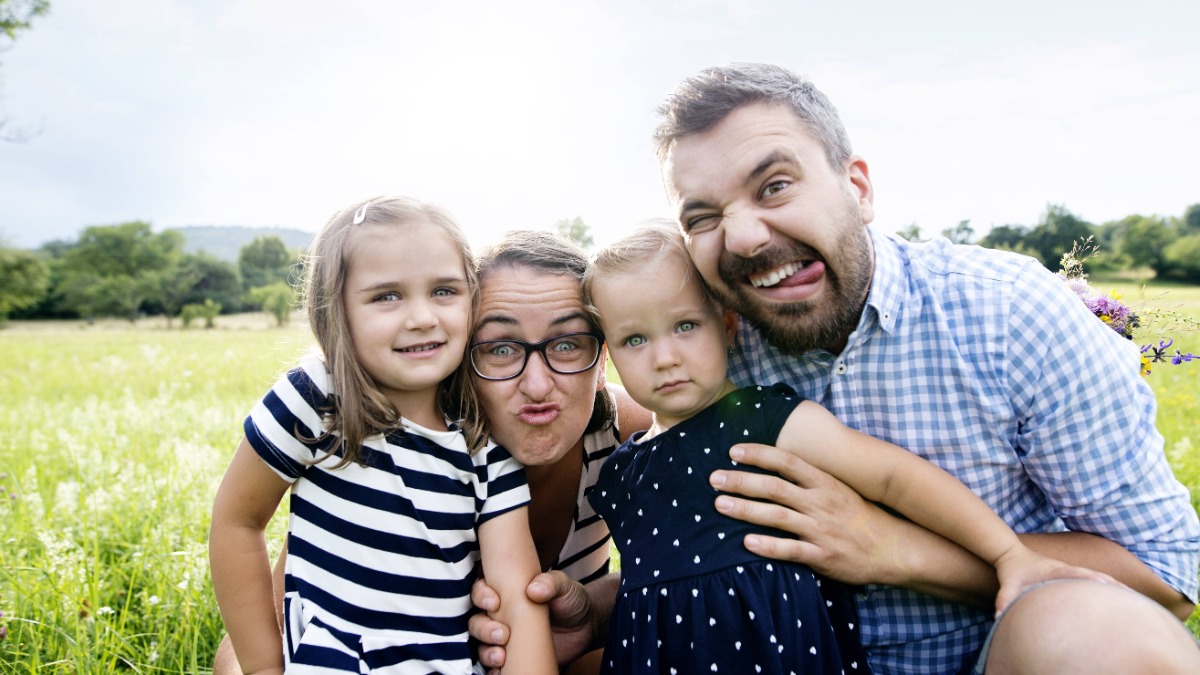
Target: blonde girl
[(391, 507)]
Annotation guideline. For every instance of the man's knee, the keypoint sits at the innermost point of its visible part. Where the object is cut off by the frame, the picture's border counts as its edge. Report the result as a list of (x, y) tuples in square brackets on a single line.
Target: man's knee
[(1090, 627)]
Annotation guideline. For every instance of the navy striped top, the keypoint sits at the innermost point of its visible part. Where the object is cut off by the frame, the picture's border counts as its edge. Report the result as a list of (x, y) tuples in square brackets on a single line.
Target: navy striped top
[(381, 553)]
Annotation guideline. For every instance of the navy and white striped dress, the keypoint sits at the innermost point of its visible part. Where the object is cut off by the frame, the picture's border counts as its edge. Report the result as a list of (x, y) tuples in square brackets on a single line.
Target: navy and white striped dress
[(381, 555)]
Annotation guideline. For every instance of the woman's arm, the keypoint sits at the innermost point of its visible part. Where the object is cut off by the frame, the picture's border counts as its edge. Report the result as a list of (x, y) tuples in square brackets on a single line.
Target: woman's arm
[(510, 562), (241, 570)]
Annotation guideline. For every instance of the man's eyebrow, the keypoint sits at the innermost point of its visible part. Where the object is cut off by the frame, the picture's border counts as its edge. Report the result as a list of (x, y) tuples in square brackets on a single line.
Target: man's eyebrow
[(775, 157)]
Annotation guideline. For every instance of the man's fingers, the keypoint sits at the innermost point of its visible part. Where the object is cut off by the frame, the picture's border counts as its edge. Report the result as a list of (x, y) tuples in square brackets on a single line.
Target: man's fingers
[(493, 658), (792, 550), (767, 514), (776, 460), (484, 597), (547, 586), (487, 630)]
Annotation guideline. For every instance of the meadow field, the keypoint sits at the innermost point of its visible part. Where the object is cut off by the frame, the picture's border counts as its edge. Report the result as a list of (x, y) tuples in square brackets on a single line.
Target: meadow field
[(113, 438)]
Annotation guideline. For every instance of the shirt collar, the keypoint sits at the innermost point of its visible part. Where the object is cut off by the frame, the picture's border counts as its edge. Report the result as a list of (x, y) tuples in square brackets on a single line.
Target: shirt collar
[(887, 285)]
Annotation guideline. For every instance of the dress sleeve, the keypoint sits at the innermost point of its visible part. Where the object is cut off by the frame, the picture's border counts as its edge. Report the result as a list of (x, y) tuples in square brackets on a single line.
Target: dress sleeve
[(503, 487), (286, 428), (1086, 430)]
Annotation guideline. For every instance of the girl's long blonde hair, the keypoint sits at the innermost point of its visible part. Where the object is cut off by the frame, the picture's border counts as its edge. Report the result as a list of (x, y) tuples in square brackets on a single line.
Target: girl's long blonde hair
[(358, 408)]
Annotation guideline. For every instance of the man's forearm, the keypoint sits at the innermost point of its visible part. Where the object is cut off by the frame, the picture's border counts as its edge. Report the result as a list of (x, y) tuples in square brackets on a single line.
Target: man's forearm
[(928, 563)]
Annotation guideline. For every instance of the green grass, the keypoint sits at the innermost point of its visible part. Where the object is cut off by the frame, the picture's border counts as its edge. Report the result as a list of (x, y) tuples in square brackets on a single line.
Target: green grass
[(112, 441), (112, 445)]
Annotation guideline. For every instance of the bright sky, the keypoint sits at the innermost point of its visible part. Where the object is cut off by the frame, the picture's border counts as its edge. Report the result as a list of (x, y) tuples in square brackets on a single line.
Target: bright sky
[(517, 114)]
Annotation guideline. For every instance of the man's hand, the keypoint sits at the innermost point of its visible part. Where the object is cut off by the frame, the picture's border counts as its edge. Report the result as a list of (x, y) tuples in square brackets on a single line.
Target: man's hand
[(572, 618), (838, 533)]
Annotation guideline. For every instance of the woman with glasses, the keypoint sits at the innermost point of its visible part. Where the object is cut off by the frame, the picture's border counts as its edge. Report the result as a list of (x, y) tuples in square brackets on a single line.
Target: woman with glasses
[(538, 369), (538, 365)]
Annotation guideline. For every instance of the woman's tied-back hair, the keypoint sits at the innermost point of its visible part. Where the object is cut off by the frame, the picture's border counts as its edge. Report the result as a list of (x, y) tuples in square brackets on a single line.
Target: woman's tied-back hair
[(551, 254), (700, 102), (653, 239), (359, 408)]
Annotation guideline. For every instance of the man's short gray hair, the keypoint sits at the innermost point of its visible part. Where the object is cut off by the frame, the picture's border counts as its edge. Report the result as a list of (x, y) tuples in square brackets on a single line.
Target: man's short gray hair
[(703, 100)]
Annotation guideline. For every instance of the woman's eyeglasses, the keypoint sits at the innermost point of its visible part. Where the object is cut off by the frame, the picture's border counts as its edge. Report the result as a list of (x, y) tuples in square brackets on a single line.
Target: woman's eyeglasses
[(564, 354)]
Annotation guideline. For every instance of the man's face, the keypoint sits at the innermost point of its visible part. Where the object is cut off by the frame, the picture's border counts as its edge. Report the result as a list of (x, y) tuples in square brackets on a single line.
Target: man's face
[(776, 232)]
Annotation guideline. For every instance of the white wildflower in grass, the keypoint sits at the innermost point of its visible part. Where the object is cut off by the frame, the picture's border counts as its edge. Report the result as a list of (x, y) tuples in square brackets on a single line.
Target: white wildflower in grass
[(62, 559), (105, 610), (66, 496), (153, 600)]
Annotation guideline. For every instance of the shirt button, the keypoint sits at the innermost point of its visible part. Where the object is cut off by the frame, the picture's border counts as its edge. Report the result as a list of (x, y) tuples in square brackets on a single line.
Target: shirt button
[(841, 369)]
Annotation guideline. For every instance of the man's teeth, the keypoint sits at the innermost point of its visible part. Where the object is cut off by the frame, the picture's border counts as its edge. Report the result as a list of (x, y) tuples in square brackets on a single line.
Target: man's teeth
[(776, 275)]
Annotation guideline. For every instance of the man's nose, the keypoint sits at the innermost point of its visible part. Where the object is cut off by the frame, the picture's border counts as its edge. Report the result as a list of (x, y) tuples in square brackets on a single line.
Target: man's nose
[(745, 233)]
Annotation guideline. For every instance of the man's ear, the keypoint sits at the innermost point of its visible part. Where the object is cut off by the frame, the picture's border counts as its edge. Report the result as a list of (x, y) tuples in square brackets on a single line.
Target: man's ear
[(860, 187)]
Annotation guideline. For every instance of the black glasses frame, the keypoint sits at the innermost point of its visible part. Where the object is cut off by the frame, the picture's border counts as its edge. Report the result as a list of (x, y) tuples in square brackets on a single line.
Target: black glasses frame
[(540, 348)]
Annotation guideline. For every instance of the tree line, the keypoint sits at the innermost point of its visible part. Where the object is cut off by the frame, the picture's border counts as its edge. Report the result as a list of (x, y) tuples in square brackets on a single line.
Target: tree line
[(129, 271), (1168, 246)]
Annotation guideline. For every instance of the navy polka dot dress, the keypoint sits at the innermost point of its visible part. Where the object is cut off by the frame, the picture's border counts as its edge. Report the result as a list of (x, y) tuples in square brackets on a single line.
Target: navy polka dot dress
[(692, 598)]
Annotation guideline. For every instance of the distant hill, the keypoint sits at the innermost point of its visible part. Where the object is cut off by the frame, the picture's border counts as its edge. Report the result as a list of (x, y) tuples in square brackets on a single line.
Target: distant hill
[(225, 242)]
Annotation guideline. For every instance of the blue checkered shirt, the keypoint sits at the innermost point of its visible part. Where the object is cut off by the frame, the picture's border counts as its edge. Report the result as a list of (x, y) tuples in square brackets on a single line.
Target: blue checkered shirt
[(986, 364)]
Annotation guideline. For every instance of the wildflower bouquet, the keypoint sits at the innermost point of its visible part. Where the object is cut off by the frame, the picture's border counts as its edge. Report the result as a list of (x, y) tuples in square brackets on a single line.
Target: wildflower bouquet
[(1117, 315)]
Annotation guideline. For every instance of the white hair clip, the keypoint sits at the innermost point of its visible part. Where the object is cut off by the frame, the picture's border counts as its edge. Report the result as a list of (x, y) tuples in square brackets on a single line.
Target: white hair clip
[(361, 214)]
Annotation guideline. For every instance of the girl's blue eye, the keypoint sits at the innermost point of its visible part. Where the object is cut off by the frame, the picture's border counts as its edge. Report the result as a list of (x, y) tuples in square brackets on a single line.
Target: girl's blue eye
[(443, 292), (685, 326), (390, 296), (635, 340)]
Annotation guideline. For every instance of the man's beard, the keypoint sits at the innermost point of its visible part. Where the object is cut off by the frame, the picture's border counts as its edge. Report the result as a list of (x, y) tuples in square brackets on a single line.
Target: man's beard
[(805, 325)]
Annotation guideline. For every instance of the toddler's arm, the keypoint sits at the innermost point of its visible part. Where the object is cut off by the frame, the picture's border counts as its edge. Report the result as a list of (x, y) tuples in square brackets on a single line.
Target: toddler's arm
[(510, 562), (885, 473), (241, 571)]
